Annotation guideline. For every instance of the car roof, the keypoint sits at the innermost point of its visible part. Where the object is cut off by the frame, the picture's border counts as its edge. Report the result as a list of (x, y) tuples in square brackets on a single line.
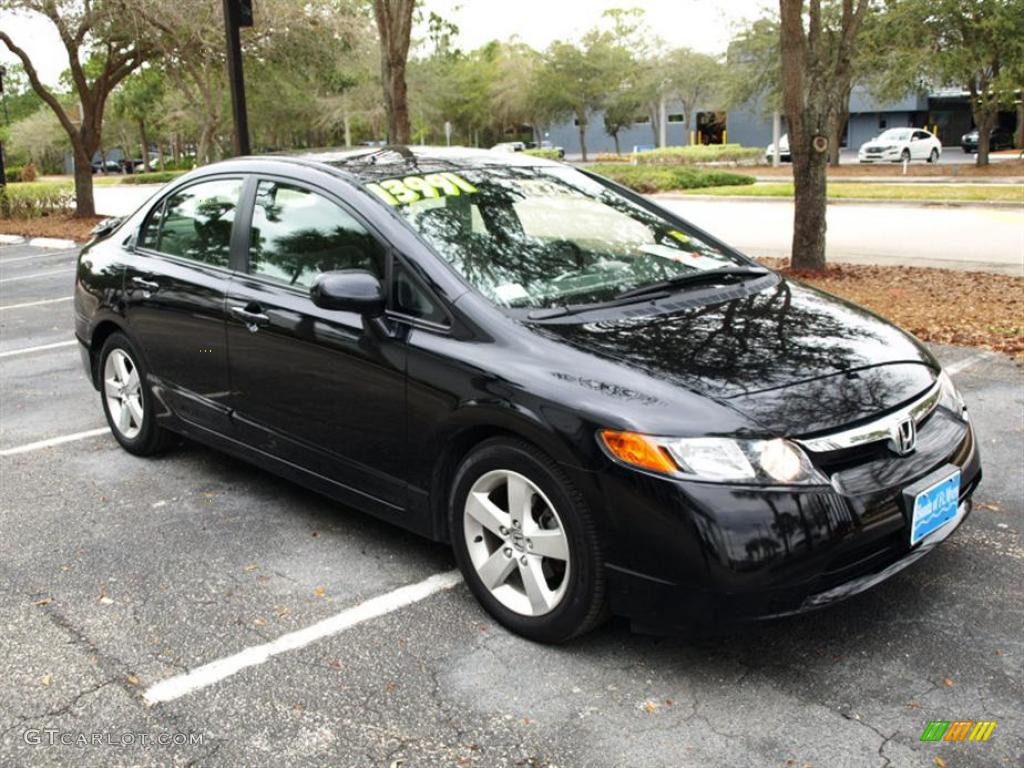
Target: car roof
[(370, 163)]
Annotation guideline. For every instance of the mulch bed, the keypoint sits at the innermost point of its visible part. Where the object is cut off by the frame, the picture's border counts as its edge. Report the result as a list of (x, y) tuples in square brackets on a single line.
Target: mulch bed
[(975, 309), (64, 226)]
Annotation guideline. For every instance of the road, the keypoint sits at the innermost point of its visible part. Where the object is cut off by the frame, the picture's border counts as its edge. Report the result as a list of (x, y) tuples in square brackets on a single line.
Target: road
[(979, 238), (120, 573), (990, 239)]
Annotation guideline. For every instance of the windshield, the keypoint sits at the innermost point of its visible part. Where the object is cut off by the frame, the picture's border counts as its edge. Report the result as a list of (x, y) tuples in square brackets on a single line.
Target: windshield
[(896, 134), (542, 236)]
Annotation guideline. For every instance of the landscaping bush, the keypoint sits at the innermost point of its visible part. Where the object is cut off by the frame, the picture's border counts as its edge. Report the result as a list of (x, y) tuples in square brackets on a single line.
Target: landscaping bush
[(29, 172), (647, 179), (699, 153), (611, 157), (32, 200), (155, 177), (12, 173), (550, 154)]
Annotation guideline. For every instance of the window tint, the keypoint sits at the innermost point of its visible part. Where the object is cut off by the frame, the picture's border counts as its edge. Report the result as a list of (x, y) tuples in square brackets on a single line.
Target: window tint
[(411, 299), (150, 234), (197, 221), (297, 234)]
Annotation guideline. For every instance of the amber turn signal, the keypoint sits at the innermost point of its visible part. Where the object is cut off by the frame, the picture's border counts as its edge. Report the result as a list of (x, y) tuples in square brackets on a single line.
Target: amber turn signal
[(638, 451)]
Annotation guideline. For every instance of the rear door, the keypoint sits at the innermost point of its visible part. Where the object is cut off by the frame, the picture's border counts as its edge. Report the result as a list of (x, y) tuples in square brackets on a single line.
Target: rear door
[(323, 389), (175, 289)]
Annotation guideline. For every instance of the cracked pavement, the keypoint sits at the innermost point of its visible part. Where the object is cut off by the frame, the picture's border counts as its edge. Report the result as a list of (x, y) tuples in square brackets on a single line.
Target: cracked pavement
[(120, 572)]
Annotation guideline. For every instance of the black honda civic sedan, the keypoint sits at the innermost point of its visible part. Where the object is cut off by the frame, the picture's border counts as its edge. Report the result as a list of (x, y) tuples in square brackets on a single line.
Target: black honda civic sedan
[(602, 408)]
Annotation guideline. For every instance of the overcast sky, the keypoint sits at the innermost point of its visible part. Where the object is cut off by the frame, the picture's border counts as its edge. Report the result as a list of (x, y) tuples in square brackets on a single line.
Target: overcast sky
[(705, 25)]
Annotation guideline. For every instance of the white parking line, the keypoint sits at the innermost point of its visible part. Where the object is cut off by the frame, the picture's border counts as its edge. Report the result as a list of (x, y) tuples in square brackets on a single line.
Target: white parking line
[(64, 271), (37, 303), (208, 674), (40, 348), (962, 365), (44, 255), (51, 441)]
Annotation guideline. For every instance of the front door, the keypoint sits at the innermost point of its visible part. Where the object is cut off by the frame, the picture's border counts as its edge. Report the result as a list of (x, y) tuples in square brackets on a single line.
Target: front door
[(175, 290), (322, 389)]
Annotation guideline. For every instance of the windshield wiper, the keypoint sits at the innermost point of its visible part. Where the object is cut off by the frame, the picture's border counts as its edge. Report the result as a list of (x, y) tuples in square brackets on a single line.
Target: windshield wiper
[(561, 310), (693, 278)]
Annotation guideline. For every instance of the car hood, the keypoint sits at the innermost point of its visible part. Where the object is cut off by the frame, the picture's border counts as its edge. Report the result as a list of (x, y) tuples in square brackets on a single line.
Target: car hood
[(793, 359)]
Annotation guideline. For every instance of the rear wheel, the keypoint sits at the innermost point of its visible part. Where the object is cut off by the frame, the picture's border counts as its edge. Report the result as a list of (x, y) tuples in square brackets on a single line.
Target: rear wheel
[(905, 157), (127, 401), (526, 542), (934, 156)]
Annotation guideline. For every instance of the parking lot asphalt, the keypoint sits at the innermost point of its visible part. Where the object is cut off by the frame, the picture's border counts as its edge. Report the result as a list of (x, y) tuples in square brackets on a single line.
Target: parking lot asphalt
[(119, 573)]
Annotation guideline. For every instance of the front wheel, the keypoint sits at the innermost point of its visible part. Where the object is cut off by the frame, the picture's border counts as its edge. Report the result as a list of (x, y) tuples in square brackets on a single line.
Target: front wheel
[(905, 157), (127, 401), (526, 542)]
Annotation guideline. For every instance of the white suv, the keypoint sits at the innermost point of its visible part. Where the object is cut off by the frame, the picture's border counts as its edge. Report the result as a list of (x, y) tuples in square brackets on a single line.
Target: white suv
[(898, 144)]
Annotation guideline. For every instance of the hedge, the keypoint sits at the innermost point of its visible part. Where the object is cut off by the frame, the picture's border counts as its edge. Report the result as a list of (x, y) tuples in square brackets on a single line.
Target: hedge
[(550, 154), (667, 178), (155, 177), (698, 153), (32, 200)]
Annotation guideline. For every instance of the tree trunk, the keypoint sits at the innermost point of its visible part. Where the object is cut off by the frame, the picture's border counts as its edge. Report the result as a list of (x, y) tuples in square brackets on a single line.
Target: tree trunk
[(394, 25), (615, 138), (835, 141), (160, 155), (347, 122), (985, 119), (145, 145), (809, 203), (84, 202), (1020, 121), (583, 139)]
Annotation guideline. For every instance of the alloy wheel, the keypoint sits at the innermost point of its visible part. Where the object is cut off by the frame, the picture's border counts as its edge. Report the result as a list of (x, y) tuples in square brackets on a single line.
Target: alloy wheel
[(123, 391), (517, 542)]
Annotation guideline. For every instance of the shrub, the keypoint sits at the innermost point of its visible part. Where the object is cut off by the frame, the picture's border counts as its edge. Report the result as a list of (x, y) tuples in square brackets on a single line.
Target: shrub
[(12, 173), (550, 154), (156, 177), (611, 157), (33, 200), (29, 172), (647, 179), (699, 153)]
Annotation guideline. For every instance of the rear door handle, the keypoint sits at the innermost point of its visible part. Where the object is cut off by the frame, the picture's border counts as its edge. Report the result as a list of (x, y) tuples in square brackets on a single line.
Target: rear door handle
[(253, 318), (147, 285)]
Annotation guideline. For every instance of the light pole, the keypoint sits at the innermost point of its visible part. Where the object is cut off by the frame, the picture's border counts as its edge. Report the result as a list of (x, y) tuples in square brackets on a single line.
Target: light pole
[(237, 14), (3, 99)]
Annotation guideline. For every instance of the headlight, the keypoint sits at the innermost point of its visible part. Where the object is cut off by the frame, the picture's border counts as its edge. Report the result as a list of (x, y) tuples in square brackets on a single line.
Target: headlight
[(715, 459), (950, 397)]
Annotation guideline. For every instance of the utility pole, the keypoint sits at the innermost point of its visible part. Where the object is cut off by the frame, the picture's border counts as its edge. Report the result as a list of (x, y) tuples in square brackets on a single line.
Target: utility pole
[(3, 99), (237, 14)]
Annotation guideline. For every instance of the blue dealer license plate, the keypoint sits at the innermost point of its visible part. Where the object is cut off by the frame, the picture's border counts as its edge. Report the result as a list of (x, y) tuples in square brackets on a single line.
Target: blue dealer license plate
[(934, 507)]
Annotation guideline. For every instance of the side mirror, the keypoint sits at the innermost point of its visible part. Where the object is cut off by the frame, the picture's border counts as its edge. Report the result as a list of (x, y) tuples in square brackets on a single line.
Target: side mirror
[(349, 290)]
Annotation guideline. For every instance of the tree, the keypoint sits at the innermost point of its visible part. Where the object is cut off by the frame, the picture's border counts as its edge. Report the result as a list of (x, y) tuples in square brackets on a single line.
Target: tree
[(394, 25), (102, 40), (976, 44), (137, 100), (816, 75), (694, 78)]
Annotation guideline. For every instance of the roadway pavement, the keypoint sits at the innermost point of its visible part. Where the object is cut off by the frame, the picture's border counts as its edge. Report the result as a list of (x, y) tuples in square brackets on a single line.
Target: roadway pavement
[(121, 573)]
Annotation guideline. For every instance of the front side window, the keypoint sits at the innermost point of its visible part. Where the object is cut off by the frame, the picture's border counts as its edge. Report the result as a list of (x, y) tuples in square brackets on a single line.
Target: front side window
[(542, 236), (197, 222), (297, 234)]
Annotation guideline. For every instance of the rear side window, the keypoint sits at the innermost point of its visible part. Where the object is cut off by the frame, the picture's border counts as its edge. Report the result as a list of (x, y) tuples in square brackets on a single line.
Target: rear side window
[(297, 234), (196, 222)]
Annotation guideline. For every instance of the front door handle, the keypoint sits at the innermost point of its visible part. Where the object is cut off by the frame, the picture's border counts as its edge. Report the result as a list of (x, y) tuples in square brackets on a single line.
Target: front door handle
[(252, 318), (146, 285)]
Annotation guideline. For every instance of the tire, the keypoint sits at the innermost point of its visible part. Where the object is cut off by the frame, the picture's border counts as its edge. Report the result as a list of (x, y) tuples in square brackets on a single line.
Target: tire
[(934, 156), (905, 156), (122, 376), (571, 600)]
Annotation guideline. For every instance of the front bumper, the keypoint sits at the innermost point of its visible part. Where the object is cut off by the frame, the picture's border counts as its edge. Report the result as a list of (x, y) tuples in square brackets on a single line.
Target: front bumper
[(692, 556), (887, 156)]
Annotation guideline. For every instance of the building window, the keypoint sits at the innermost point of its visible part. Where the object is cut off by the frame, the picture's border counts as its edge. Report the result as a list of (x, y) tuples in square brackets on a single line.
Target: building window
[(882, 123), (676, 117)]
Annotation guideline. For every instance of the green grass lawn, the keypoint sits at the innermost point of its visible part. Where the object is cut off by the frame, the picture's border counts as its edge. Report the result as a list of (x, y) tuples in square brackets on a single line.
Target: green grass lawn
[(1007, 193)]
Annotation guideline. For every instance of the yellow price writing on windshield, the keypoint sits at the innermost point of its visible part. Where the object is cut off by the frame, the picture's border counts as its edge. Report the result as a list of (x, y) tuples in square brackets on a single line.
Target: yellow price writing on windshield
[(409, 189)]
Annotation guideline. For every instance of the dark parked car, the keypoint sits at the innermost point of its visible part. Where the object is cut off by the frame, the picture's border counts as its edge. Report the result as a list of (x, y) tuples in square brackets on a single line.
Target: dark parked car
[(999, 138), (602, 408), (107, 166)]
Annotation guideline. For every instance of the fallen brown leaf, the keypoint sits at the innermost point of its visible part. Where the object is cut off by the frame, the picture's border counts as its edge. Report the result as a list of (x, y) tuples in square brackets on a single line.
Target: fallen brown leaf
[(46, 679), (44, 601), (320, 591), (133, 680), (940, 762), (948, 681)]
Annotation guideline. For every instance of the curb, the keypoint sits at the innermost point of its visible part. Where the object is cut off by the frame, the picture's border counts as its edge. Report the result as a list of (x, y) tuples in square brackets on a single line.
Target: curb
[(850, 201), (37, 242)]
